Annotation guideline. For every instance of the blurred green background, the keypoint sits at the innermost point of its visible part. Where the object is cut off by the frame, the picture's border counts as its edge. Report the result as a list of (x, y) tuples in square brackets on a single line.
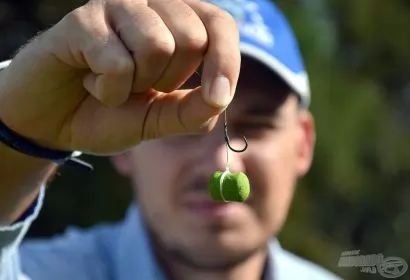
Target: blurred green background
[(357, 195)]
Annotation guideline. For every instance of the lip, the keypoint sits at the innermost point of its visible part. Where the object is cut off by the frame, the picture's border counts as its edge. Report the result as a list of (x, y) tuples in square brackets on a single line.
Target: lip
[(206, 208)]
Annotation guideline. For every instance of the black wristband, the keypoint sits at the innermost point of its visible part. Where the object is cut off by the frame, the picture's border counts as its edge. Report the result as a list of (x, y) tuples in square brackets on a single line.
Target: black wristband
[(25, 146)]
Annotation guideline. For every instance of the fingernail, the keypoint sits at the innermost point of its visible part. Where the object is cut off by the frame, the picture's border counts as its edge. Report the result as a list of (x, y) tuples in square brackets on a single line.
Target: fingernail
[(219, 93)]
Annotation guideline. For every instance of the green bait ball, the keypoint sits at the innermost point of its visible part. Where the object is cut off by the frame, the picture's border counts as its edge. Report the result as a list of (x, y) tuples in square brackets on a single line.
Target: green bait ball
[(235, 186)]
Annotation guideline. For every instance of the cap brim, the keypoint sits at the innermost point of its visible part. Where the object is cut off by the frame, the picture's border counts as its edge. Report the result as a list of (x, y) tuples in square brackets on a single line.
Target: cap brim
[(298, 82)]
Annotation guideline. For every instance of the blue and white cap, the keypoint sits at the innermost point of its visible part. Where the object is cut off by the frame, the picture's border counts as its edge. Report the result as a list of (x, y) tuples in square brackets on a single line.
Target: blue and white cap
[(265, 35)]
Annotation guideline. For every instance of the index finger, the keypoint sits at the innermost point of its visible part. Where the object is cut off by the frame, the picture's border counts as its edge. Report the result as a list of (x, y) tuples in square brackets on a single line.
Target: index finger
[(223, 58)]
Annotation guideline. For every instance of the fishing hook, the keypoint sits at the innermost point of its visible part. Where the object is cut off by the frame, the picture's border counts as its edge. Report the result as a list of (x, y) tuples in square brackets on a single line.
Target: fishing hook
[(228, 141)]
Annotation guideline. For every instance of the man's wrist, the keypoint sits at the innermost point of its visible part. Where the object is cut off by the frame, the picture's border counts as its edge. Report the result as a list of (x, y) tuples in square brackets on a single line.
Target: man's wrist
[(20, 180), (23, 145), (16, 166)]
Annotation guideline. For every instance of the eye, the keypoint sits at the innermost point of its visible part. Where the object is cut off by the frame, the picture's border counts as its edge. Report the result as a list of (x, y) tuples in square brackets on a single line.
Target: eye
[(254, 129)]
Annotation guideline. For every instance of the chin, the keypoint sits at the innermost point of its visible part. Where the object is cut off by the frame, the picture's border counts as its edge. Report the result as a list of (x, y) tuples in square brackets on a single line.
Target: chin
[(217, 251), (222, 238)]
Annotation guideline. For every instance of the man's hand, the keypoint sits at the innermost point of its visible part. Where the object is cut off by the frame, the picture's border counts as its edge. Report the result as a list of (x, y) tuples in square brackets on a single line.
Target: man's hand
[(106, 77)]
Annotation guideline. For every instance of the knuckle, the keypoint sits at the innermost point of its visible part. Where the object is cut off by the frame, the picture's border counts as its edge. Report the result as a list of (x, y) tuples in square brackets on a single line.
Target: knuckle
[(158, 44), (231, 59), (114, 2), (82, 16), (122, 65), (75, 17), (193, 39), (219, 16), (86, 24)]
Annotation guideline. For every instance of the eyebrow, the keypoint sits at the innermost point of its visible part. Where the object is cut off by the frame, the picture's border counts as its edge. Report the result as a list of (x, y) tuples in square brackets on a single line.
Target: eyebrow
[(262, 111)]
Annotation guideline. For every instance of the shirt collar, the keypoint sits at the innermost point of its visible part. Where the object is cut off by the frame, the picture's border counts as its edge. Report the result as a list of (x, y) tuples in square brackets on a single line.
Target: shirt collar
[(134, 257)]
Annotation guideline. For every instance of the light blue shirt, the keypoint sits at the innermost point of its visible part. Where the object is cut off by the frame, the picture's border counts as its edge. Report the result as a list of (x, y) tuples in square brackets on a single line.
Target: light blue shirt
[(112, 252)]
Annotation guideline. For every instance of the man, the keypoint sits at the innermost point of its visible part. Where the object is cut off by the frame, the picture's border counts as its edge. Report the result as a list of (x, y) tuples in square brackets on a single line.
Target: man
[(74, 82)]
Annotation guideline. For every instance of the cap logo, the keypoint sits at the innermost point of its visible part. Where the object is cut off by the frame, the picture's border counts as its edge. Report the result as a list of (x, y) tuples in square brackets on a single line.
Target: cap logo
[(249, 20)]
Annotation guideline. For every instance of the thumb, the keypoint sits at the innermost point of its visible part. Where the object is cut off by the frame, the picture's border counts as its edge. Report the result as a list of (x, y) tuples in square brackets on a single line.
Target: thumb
[(181, 112)]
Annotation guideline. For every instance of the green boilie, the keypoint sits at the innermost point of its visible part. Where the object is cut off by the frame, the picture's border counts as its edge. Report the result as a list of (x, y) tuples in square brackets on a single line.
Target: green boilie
[(235, 186)]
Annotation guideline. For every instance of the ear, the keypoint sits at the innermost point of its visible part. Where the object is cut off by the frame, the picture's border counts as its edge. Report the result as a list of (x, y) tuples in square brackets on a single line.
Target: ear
[(307, 140), (123, 163)]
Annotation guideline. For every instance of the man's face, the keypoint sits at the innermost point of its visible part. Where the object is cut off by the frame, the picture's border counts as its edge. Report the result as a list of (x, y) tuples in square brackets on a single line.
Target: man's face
[(170, 175)]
